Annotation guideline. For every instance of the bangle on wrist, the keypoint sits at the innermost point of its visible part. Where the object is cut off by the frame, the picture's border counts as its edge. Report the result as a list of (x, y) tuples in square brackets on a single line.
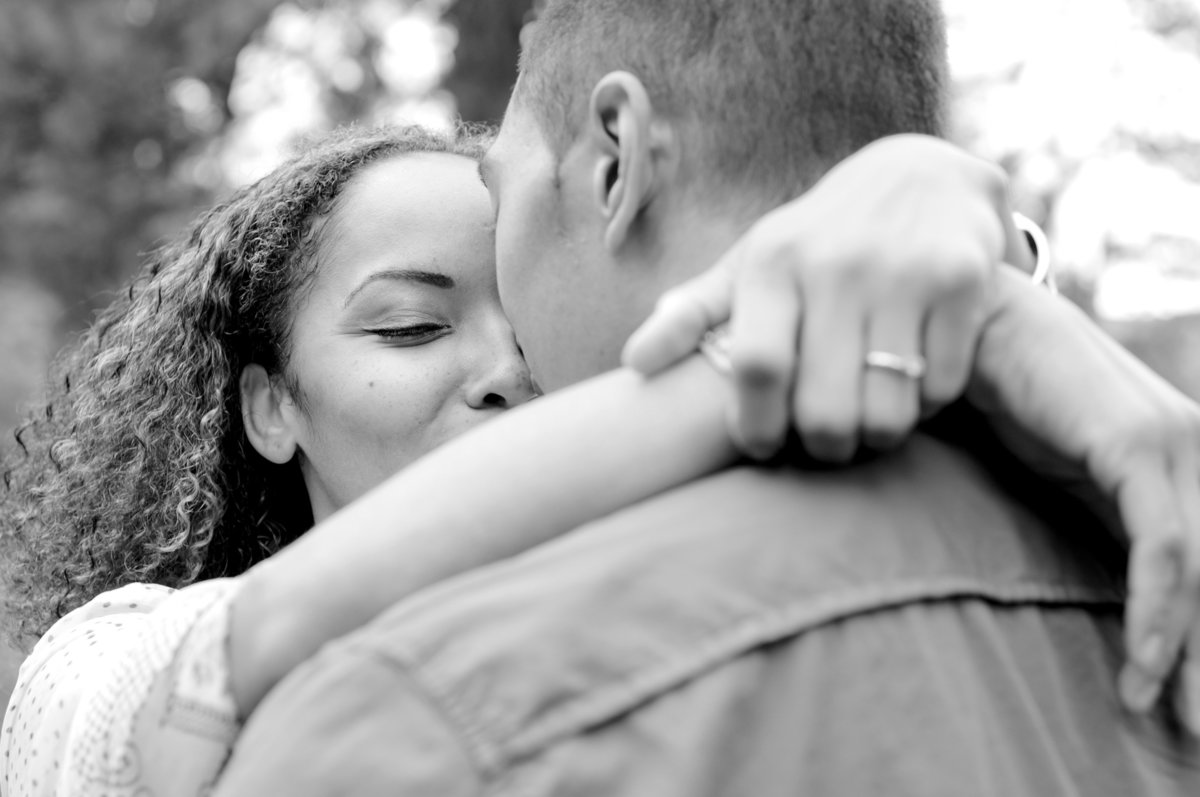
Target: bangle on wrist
[(1043, 269)]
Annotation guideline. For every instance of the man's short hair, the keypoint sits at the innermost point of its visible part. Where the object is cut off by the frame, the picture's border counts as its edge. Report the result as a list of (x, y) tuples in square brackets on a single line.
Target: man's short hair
[(772, 93)]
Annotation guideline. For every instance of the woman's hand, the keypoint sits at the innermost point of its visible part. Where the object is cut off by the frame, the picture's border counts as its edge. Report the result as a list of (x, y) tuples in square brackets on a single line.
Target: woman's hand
[(1071, 402), (889, 259)]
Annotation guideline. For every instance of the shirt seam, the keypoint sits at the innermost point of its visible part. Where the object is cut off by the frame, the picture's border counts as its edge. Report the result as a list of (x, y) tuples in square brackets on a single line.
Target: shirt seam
[(440, 702), (494, 748)]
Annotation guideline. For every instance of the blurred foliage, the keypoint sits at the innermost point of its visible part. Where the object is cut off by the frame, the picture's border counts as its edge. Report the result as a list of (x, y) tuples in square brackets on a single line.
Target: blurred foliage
[(106, 105), (98, 103), (1093, 108), (485, 61)]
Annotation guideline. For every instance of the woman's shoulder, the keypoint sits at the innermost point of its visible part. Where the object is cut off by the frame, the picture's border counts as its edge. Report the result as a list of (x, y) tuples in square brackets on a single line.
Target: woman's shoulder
[(100, 667), (105, 614), (137, 598)]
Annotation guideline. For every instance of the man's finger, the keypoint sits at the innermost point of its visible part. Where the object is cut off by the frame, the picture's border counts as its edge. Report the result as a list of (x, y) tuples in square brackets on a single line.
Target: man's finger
[(679, 320), (765, 328)]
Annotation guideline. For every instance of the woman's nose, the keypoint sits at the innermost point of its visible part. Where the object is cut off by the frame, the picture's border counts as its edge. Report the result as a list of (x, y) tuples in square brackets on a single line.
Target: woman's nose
[(505, 381)]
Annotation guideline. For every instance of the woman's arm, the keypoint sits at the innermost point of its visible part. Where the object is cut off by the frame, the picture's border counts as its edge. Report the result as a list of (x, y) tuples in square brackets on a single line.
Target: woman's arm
[(1072, 403), (500, 489)]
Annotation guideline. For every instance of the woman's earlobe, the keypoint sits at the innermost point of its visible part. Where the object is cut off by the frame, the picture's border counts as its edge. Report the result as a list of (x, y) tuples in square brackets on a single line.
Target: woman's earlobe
[(267, 415)]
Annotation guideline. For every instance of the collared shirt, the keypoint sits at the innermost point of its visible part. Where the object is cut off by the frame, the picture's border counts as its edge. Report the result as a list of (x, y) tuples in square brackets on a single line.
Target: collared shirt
[(903, 628)]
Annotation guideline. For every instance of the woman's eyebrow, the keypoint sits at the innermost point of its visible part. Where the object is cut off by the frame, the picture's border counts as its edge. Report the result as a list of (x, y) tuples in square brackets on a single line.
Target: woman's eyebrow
[(431, 278)]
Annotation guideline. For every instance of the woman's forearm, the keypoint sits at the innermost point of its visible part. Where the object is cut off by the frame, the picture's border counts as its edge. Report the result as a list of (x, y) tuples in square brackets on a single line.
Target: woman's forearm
[(532, 474)]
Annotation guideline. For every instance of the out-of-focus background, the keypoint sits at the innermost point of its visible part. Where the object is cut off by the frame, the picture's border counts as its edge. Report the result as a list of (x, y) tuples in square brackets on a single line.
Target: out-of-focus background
[(120, 118)]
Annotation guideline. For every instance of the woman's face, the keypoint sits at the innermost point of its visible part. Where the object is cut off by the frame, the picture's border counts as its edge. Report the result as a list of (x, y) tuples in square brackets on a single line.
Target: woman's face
[(400, 343)]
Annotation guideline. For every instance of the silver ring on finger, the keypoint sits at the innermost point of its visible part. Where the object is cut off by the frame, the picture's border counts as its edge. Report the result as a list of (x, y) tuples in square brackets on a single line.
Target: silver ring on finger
[(909, 366)]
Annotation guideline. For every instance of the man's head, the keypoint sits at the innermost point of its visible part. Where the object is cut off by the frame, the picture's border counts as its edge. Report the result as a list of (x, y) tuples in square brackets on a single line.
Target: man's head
[(644, 135)]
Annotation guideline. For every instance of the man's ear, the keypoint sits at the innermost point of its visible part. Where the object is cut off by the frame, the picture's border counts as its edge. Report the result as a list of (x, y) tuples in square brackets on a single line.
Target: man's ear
[(620, 125), (268, 415)]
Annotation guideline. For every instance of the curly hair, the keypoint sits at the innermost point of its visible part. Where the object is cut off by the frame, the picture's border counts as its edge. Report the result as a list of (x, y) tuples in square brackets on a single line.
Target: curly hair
[(136, 466)]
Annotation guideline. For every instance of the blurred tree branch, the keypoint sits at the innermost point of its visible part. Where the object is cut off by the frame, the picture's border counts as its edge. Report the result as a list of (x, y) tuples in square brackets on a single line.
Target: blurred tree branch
[(89, 131), (485, 61)]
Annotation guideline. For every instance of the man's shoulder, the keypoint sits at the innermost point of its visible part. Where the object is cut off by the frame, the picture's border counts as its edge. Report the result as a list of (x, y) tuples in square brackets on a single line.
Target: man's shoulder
[(579, 631)]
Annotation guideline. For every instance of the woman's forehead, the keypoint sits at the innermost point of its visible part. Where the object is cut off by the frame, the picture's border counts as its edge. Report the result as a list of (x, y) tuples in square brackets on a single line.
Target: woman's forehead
[(416, 190), (423, 211)]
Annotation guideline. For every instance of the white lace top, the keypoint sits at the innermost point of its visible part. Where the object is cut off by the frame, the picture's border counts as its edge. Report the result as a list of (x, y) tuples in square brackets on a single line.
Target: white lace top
[(127, 695)]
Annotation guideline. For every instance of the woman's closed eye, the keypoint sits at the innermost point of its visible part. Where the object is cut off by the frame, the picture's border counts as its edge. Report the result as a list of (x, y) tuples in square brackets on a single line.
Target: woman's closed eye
[(411, 334)]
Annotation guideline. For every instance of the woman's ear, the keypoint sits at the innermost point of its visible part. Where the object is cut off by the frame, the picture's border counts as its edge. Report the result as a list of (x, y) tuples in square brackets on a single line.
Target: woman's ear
[(620, 126), (268, 415)]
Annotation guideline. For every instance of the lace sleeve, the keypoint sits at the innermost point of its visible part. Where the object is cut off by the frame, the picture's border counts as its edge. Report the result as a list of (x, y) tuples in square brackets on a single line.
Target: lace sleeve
[(127, 695)]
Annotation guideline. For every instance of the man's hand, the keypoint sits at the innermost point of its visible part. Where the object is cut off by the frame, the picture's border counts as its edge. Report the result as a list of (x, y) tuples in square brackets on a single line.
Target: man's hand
[(894, 251), (1057, 387)]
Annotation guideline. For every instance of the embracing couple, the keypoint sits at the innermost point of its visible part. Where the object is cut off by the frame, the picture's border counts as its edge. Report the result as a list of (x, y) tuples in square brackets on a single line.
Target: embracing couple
[(928, 619)]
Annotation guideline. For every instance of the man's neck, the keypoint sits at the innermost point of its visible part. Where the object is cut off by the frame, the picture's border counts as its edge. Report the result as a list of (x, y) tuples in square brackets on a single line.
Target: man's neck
[(694, 240)]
